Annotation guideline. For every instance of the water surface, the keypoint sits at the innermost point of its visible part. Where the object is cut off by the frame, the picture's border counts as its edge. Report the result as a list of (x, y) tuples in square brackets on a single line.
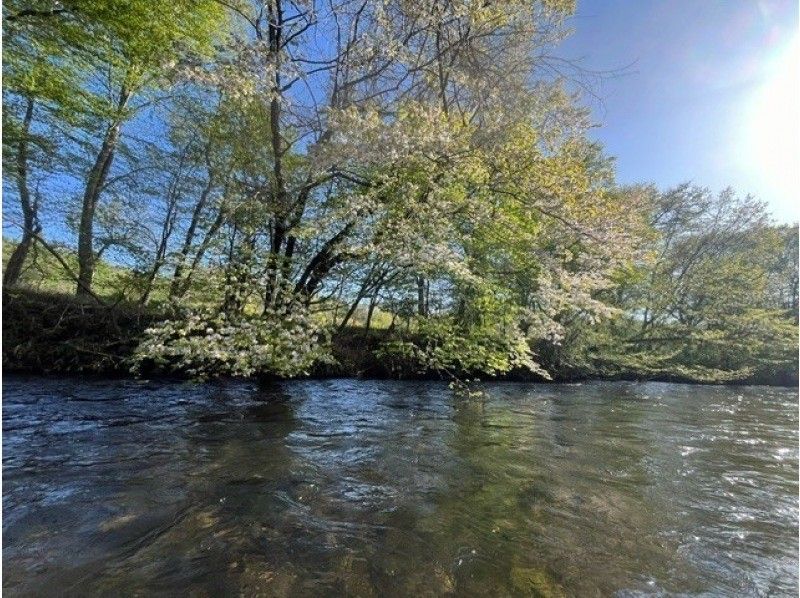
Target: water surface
[(398, 489)]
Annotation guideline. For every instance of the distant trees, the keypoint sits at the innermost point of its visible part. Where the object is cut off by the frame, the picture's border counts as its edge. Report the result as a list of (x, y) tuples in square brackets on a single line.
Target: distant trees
[(782, 284), (716, 297)]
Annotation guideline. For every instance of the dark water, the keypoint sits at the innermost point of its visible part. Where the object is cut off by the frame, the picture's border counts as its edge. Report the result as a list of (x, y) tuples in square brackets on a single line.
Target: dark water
[(398, 489)]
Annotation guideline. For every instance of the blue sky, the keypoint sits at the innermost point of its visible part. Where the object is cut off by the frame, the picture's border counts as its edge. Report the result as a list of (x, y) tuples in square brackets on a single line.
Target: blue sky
[(710, 93)]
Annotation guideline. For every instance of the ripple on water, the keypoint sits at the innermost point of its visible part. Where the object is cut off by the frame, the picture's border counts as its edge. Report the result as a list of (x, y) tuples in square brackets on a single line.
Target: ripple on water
[(368, 488)]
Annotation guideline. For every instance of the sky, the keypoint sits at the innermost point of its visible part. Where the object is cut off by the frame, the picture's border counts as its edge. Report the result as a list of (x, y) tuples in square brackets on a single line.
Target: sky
[(697, 90)]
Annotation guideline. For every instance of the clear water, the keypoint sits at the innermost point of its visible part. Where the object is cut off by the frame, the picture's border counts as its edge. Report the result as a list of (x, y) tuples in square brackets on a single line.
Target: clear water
[(398, 489)]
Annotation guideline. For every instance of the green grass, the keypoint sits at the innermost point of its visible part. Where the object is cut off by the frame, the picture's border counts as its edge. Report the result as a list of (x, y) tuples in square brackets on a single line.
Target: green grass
[(42, 271)]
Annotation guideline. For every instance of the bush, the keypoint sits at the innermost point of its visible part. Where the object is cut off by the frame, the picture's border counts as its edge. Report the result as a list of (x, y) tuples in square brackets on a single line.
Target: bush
[(285, 342), (441, 345)]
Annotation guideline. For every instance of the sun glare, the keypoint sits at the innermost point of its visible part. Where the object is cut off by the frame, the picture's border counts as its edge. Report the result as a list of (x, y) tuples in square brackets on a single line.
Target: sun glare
[(772, 125)]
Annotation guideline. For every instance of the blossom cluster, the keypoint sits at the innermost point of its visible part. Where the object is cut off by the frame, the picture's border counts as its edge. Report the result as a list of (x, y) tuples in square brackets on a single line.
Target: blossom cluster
[(205, 344)]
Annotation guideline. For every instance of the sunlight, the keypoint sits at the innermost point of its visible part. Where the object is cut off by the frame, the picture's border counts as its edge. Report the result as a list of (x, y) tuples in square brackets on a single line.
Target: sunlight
[(770, 143)]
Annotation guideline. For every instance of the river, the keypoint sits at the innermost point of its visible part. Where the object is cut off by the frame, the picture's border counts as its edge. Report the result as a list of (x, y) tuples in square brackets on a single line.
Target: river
[(375, 488)]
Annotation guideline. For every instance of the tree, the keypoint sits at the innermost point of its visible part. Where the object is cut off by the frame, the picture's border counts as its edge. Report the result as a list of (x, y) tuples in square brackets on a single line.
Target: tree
[(456, 150), (108, 54), (707, 305), (255, 162), (28, 203)]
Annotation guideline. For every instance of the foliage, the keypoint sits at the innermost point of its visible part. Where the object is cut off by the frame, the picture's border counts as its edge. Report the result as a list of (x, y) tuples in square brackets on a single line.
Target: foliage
[(709, 304), (269, 165), (440, 345), (206, 344)]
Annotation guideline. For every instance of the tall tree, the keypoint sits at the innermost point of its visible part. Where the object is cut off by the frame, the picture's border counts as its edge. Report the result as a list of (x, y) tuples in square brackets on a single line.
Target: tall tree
[(705, 305), (112, 52)]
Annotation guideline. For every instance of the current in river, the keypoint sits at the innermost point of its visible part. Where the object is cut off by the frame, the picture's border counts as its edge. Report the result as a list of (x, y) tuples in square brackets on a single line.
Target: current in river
[(385, 488)]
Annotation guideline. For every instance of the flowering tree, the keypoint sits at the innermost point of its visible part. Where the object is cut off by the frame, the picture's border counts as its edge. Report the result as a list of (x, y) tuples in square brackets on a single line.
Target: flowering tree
[(423, 137), (263, 168)]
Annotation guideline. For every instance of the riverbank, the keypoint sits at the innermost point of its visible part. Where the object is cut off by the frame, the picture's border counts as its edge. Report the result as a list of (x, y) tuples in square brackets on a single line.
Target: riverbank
[(51, 333)]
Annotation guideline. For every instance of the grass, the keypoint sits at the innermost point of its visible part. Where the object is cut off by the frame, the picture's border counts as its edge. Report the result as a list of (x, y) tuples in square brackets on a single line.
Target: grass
[(43, 273), (111, 282)]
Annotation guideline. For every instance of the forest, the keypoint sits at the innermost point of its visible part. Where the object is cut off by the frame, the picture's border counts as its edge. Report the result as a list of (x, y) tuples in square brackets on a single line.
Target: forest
[(360, 187)]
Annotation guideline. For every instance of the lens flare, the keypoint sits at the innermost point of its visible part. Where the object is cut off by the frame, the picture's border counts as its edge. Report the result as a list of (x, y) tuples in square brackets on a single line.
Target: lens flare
[(771, 144)]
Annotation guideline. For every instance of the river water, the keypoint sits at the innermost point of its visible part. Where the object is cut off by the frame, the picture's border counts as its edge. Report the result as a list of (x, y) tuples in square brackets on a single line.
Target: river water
[(363, 488)]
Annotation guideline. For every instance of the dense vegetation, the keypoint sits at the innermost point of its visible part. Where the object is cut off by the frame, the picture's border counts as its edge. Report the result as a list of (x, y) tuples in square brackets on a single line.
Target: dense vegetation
[(259, 177)]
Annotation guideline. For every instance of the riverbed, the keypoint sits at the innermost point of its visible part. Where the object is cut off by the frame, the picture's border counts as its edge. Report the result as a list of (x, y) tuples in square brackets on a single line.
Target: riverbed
[(381, 488)]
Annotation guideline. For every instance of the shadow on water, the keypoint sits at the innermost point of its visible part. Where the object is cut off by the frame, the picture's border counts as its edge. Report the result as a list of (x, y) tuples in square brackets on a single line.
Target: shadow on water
[(383, 488)]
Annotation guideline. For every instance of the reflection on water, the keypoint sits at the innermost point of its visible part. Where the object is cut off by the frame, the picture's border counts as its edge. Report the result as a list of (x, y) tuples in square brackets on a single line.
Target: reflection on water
[(400, 489)]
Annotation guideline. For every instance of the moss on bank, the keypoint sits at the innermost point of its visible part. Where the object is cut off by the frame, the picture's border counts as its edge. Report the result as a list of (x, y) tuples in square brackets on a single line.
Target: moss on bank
[(46, 332)]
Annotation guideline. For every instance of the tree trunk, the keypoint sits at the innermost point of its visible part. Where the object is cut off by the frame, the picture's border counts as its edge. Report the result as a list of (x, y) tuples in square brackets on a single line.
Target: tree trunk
[(421, 305), (161, 256), (183, 285), (17, 259), (175, 285), (29, 206), (94, 186), (350, 312), (279, 192), (372, 303), (167, 227), (321, 264)]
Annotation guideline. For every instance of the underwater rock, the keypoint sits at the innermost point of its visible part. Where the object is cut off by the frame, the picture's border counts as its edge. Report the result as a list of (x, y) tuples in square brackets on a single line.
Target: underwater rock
[(536, 582)]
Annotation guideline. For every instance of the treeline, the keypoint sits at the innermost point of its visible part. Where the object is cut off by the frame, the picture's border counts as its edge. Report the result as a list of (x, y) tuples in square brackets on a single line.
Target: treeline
[(264, 172)]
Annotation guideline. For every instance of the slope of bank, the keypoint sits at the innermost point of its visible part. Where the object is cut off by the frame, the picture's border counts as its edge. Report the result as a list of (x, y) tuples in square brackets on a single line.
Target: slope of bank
[(61, 334)]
